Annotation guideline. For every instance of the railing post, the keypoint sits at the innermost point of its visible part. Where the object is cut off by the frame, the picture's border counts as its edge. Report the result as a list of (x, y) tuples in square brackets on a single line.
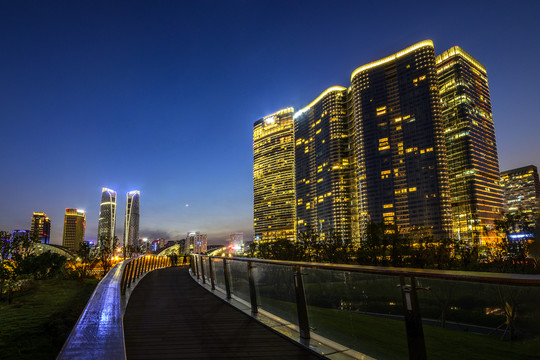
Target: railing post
[(132, 272), (202, 269), (124, 281), (196, 265), (413, 320), (146, 263), (301, 306), (137, 268), (252, 292), (212, 280), (226, 275), (143, 264)]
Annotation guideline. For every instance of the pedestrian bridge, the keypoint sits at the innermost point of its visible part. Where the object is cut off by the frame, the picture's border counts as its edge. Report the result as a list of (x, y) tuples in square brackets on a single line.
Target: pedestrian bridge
[(231, 308)]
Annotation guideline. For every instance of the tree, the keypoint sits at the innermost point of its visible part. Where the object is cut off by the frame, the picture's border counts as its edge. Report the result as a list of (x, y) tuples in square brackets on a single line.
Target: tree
[(88, 259)]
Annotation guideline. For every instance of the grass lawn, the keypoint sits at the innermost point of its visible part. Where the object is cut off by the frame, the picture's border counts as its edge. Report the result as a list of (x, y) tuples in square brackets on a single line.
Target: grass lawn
[(37, 323), (387, 339)]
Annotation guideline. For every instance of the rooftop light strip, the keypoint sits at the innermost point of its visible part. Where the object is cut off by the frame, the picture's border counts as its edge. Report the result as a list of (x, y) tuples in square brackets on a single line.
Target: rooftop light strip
[(456, 50), (392, 57), (324, 93), (281, 112)]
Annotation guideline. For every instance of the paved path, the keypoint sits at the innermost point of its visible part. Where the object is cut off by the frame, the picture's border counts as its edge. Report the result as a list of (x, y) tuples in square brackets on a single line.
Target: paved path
[(169, 316)]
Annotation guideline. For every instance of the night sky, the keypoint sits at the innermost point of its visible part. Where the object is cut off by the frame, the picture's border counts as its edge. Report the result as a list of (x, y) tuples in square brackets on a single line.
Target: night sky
[(161, 96)]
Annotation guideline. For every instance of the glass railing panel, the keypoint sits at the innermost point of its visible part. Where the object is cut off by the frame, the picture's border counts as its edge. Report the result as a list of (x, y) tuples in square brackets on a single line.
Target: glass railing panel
[(219, 274), (274, 285), (361, 311), (479, 320), (238, 271), (206, 264)]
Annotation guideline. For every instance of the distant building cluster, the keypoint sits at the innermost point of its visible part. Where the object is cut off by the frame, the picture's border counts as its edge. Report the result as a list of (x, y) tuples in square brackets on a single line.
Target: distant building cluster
[(75, 223), (410, 143)]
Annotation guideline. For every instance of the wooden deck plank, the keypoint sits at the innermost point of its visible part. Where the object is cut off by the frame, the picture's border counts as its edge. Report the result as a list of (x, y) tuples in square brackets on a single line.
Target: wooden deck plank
[(169, 316)]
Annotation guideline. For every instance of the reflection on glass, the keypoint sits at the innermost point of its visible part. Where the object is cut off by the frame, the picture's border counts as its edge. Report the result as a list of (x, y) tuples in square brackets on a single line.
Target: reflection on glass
[(361, 311), (239, 279), (219, 274), (275, 290), (477, 320)]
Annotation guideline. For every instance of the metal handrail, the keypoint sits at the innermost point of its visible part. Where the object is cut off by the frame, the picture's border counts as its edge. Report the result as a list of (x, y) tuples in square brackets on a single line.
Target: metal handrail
[(99, 331), (407, 283), (499, 278)]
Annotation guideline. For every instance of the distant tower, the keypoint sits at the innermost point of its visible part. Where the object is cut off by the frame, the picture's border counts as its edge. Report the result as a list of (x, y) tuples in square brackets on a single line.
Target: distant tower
[(195, 243), (107, 215), (74, 227), (476, 199), (41, 228), (521, 189), (131, 223), (273, 176)]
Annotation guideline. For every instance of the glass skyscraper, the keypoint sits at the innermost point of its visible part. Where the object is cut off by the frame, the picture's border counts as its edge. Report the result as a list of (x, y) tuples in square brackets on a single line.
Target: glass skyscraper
[(521, 189), (107, 215), (410, 143), (323, 167), (131, 223), (476, 198), (74, 228), (41, 228), (273, 177), (397, 137)]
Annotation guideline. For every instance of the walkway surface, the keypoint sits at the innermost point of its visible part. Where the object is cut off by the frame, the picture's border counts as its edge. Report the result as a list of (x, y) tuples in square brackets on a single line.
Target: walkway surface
[(170, 316)]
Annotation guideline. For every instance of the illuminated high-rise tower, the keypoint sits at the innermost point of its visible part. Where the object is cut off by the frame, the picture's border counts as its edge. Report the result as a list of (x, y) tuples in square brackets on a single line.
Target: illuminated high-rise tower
[(41, 228), (107, 215), (476, 196), (131, 223), (521, 190), (397, 136), (273, 176), (323, 167), (74, 227)]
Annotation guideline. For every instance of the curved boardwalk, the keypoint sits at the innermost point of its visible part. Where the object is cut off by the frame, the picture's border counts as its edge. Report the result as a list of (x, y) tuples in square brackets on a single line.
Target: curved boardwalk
[(169, 316)]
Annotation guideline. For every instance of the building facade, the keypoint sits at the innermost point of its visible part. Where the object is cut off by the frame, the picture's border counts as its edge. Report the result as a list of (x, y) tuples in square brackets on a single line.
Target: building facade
[(273, 176), (475, 192), (323, 167), (131, 222), (521, 189), (410, 144), (196, 243), (107, 216), (74, 228), (41, 228)]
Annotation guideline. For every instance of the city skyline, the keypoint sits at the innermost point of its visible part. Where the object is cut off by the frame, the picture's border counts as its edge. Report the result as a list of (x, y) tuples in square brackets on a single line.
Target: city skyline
[(178, 86)]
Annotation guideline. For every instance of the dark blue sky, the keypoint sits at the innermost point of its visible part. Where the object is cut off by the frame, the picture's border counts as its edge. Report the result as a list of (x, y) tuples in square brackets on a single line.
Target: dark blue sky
[(161, 96)]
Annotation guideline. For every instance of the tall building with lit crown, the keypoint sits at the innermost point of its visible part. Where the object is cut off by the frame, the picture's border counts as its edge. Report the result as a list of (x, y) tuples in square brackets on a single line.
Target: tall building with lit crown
[(397, 135), (521, 189), (74, 228), (41, 228), (273, 176), (476, 198), (107, 215), (323, 166), (131, 223)]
